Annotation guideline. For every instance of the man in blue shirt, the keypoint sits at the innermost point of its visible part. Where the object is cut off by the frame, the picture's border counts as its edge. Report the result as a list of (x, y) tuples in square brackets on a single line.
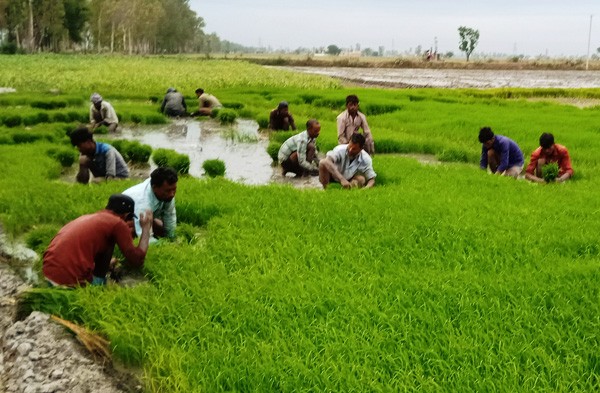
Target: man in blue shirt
[(103, 160), (501, 154)]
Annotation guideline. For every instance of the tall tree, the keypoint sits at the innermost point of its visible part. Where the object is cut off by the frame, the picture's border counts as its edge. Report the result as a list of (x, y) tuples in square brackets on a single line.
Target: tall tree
[(468, 40), (76, 17)]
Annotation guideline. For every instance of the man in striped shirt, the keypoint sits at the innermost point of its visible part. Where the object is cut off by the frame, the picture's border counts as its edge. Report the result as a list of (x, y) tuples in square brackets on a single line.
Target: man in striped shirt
[(298, 153)]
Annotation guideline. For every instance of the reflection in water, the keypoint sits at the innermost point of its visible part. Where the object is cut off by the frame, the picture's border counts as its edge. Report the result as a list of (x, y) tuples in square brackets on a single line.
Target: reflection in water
[(241, 147)]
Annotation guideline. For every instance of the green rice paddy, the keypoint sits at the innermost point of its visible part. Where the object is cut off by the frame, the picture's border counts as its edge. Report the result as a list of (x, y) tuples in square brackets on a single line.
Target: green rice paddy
[(441, 278)]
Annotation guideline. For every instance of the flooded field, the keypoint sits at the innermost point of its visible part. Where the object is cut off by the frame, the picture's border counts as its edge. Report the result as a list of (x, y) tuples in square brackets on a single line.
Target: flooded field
[(241, 146), (448, 78)]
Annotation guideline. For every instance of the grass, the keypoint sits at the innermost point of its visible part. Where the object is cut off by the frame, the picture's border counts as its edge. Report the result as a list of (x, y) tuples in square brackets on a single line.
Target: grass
[(441, 278)]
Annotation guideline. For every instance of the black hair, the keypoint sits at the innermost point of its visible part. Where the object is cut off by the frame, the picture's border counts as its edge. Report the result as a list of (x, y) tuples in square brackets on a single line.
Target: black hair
[(163, 174), (546, 140), (80, 135), (311, 122), (358, 138), (485, 134), (200, 91), (352, 99)]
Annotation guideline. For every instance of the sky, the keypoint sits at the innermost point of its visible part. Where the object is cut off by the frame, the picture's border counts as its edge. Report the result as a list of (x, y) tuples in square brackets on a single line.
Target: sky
[(515, 27)]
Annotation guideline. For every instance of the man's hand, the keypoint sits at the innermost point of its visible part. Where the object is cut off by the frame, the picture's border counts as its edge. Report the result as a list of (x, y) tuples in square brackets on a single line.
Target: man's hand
[(345, 183), (146, 220)]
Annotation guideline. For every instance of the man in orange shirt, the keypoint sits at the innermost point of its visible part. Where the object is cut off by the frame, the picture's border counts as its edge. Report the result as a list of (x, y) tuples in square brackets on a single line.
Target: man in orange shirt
[(547, 153), (80, 253)]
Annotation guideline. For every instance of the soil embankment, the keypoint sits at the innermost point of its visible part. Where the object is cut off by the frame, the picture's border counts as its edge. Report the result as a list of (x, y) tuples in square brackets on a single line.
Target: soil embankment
[(38, 355)]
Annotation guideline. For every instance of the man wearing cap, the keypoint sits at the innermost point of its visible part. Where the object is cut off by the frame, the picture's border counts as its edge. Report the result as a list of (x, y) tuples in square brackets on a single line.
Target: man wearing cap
[(102, 159), (298, 153), (102, 114), (350, 121), (81, 252), (173, 104), (206, 103), (547, 153), (280, 119), (348, 165), (157, 194)]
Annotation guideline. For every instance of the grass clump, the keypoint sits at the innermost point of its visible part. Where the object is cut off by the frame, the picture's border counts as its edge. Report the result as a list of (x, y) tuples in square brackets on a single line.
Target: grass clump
[(214, 168), (170, 158), (133, 151), (550, 172), (227, 116), (64, 155), (273, 150)]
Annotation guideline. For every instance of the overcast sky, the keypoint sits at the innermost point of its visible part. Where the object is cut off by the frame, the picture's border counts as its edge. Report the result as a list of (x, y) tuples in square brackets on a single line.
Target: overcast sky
[(530, 27)]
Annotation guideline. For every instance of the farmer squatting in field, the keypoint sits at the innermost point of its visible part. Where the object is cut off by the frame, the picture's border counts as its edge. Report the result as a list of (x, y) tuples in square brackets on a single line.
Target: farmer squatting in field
[(350, 121), (280, 118), (501, 154), (102, 159), (206, 103), (298, 154), (102, 114), (549, 152), (157, 194), (348, 165), (82, 250), (173, 103)]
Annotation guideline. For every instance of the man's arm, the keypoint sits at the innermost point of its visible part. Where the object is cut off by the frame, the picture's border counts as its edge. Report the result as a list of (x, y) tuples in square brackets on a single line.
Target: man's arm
[(365, 127), (170, 219), (531, 168), (272, 120), (505, 149), (483, 161), (310, 166), (162, 106), (135, 255), (370, 183), (110, 159), (565, 166), (334, 171), (341, 131)]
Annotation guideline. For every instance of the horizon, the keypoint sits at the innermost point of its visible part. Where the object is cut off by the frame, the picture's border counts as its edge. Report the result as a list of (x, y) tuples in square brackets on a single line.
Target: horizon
[(536, 28)]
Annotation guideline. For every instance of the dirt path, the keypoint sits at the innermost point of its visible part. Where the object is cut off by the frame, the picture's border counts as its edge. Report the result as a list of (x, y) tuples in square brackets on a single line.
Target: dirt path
[(38, 355)]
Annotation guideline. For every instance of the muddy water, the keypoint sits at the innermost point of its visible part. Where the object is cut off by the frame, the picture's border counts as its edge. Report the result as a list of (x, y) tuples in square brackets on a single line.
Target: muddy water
[(459, 78), (241, 146)]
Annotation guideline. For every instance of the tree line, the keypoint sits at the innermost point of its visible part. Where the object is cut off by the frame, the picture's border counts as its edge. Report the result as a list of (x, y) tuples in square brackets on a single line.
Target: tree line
[(123, 26)]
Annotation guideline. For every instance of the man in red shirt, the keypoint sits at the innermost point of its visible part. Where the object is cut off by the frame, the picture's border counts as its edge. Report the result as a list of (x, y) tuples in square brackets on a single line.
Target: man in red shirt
[(81, 251), (547, 153)]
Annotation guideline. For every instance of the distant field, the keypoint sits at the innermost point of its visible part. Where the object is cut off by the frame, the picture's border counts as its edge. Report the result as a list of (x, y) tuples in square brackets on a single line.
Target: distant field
[(441, 278)]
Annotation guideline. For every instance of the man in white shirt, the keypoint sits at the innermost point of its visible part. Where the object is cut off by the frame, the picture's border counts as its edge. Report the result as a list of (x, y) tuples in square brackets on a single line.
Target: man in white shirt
[(348, 165), (298, 153), (102, 114), (157, 194)]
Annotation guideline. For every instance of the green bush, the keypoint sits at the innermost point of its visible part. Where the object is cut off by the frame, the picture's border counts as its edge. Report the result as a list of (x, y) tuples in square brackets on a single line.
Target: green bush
[(135, 118), (51, 104), (550, 172), (157, 118), (181, 163), (227, 116), (170, 158), (60, 117), (273, 150), (138, 152), (40, 237), (64, 155), (452, 155), (263, 121), (214, 168), (233, 105), (25, 137), (132, 151), (36, 118), (12, 120)]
